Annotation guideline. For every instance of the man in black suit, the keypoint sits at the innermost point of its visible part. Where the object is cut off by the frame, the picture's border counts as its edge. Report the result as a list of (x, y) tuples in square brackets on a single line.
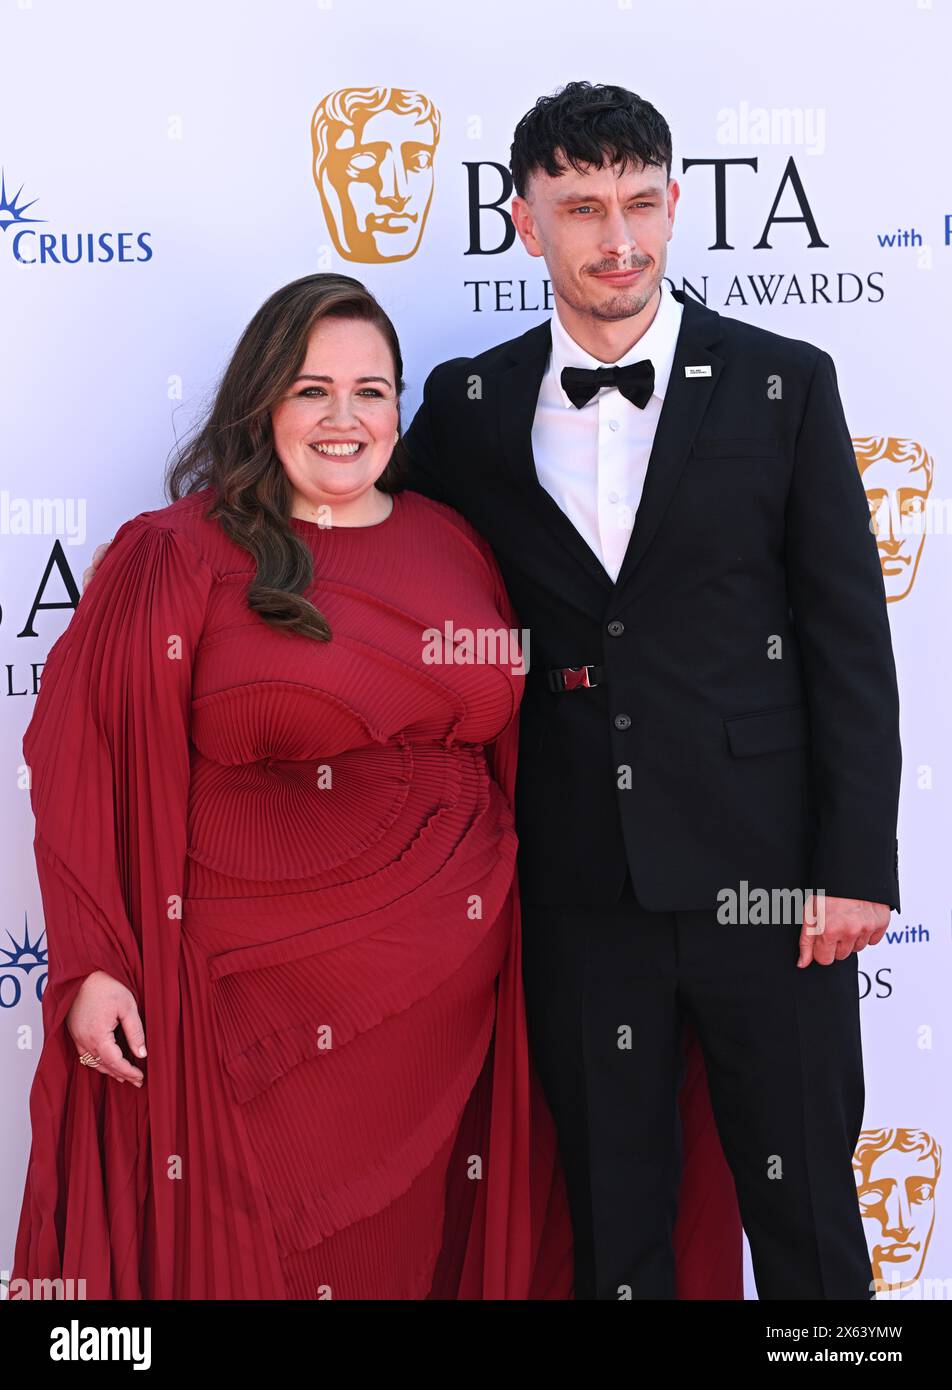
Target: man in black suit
[(709, 752)]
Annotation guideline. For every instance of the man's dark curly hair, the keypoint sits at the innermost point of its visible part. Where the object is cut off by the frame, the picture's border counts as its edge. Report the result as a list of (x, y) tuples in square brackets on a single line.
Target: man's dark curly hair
[(587, 123)]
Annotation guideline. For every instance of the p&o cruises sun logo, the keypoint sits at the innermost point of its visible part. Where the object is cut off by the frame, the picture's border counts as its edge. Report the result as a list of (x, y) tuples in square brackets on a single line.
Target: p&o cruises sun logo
[(17, 967), (31, 246)]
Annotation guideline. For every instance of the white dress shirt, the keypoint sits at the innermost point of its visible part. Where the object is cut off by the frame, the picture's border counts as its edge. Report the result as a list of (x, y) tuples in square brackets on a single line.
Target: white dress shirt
[(593, 460)]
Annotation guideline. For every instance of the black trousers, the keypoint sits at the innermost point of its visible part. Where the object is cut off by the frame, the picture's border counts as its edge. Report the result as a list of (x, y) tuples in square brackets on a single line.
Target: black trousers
[(783, 1053)]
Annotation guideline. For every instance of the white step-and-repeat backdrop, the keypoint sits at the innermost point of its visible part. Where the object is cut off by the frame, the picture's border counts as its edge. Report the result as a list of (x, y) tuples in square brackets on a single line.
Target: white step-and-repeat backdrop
[(163, 173)]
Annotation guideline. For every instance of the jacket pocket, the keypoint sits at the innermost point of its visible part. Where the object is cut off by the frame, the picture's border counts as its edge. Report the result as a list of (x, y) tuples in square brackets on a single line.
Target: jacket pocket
[(768, 731)]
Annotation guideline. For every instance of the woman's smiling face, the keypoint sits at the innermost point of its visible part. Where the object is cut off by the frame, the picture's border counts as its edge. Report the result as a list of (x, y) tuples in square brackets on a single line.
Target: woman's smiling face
[(335, 429)]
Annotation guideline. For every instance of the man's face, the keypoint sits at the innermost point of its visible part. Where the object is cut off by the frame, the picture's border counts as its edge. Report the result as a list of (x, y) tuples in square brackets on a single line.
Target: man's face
[(604, 234)]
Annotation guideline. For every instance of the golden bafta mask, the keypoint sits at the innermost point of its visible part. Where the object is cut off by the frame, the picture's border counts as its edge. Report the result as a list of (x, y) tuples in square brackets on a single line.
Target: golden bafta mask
[(896, 1173), (897, 475), (374, 149)]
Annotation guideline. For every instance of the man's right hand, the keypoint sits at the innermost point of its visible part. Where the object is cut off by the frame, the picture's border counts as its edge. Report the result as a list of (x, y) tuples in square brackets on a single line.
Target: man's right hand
[(98, 553)]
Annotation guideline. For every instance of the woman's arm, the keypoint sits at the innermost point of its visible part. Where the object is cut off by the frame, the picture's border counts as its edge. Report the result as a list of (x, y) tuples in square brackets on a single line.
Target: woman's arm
[(108, 752)]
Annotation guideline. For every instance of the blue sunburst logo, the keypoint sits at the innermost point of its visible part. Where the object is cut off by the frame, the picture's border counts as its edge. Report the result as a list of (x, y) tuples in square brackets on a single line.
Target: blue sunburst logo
[(26, 955), (11, 212)]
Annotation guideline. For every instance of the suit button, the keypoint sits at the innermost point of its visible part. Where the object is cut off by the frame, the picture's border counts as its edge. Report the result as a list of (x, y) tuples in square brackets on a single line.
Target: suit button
[(616, 627), (622, 721)]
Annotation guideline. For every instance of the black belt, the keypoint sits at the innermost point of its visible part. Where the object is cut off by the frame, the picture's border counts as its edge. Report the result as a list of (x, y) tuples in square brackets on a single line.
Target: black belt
[(574, 677)]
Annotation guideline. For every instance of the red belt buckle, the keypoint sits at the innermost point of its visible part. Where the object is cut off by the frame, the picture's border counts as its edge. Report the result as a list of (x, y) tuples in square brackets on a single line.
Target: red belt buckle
[(576, 678)]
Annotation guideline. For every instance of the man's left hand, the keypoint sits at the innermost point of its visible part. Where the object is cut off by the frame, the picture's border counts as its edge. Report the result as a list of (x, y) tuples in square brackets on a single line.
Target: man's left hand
[(835, 927)]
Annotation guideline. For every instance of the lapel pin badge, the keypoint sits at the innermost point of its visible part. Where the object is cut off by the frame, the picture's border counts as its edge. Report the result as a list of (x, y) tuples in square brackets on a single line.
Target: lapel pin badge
[(697, 371)]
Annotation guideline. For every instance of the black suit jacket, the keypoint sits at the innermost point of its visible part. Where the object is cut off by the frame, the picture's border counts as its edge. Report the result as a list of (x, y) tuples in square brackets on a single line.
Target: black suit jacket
[(747, 728)]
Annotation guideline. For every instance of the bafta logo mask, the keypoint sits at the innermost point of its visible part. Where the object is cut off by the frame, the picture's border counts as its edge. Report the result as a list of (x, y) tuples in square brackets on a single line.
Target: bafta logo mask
[(897, 476), (373, 166), (896, 1173)]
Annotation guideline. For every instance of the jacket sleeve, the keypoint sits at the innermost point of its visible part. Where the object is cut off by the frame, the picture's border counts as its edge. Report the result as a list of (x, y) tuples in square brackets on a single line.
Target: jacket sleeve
[(838, 601), (426, 471), (108, 753)]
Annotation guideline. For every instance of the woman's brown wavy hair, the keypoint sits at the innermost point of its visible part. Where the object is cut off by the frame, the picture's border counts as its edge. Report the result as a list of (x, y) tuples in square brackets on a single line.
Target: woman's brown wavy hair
[(232, 451)]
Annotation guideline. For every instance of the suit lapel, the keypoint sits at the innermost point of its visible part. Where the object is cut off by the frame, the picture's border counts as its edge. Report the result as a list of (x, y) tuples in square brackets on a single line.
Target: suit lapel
[(518, 384), (685, 402)]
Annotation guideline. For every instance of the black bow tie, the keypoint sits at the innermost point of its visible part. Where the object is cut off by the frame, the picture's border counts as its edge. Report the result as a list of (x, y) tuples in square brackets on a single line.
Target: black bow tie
[(635, 382)]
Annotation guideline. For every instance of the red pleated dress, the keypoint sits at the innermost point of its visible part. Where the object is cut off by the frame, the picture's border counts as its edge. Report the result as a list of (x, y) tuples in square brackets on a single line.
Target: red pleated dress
[(299, 857)]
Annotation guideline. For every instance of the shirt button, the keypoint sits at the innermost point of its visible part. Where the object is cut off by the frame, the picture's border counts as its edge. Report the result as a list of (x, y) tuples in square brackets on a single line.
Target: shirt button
[(622, 721), (613, 497), (616, 627), (613, 424)]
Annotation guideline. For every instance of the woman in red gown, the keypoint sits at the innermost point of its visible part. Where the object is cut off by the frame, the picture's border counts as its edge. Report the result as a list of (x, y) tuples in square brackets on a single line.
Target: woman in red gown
[(268, 813)]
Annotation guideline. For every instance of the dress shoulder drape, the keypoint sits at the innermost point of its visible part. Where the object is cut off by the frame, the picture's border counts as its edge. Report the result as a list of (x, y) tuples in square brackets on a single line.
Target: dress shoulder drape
[(109, 759)]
